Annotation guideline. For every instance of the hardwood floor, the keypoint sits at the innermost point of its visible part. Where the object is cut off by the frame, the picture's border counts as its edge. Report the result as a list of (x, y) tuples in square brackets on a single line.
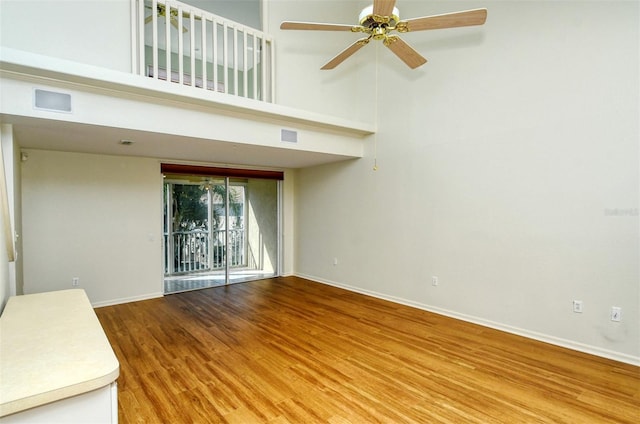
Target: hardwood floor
[(287, 350)]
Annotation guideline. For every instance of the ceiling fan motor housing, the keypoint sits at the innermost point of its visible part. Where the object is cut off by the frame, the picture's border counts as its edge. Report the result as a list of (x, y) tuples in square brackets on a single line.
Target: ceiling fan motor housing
[(376, 23)]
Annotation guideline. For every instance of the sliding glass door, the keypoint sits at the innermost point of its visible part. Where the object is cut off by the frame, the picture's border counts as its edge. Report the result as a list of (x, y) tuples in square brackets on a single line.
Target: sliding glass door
[(219, 230)]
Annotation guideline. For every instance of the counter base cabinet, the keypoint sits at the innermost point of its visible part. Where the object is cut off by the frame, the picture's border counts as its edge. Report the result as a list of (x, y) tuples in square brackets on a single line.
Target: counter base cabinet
[(99, 406)]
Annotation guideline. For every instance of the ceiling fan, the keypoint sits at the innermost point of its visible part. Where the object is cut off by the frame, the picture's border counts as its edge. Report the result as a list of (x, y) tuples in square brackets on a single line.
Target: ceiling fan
[(381, 19)]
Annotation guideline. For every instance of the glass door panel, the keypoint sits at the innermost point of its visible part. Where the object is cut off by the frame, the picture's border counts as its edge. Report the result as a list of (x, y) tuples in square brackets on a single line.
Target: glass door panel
[(186, 229), (254, 231), (216, 189)]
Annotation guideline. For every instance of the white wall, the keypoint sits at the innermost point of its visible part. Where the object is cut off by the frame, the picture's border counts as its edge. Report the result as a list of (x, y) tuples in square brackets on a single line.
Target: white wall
[(95, 32), (288, 222), (98, 218), (507, 167)]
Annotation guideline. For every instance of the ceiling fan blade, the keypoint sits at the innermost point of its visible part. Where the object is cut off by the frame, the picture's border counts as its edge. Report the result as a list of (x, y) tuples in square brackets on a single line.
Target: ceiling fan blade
[(447, 20), (174, 23), (344, 54), (314, 26), (383, 7), (412, 58), (187, 15)]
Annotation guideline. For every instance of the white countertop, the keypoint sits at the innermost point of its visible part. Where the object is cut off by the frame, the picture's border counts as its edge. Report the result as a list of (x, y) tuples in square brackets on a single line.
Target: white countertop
[(52, 347)]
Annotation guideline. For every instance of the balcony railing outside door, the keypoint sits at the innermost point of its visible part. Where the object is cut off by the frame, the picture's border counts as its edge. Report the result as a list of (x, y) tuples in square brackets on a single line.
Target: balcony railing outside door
[(199, 251)]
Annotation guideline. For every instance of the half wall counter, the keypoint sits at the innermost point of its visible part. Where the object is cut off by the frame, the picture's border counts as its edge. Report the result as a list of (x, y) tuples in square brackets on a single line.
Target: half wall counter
[(56, 363)]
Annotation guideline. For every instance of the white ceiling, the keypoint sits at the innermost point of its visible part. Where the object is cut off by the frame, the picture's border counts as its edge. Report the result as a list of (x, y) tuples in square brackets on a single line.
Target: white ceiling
[(34, 133)]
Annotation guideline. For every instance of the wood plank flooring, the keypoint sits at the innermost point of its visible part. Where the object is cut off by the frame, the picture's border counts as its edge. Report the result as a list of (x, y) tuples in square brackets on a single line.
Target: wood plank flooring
[(288, 350)]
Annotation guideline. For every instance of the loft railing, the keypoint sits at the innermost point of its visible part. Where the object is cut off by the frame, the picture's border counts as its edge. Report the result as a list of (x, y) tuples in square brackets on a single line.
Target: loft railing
[(197, 48)]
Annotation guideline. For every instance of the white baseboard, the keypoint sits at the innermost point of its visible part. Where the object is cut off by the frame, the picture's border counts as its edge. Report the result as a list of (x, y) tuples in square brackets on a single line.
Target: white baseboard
[(569, 344), (127, 299)]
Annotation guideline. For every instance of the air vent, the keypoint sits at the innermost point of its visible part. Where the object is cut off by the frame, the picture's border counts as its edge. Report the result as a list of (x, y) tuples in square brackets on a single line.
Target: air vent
[(289, 136), (50, 100)]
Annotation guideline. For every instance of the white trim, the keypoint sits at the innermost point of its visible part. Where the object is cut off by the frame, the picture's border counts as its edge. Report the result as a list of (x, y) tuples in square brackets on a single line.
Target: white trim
[(569, 344), (280, 227), (114, 402), (134, 36), (162, 75), (263, 16), (127, 300)]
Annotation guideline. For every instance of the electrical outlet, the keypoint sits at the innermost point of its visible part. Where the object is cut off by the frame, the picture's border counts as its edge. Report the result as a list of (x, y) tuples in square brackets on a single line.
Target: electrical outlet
[(335, 261), (434, 281), (75, 281), (577, 306), (616, 313)]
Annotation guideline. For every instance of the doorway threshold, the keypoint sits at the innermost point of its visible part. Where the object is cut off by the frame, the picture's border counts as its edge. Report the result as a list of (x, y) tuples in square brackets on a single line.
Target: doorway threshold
[(187, 282)]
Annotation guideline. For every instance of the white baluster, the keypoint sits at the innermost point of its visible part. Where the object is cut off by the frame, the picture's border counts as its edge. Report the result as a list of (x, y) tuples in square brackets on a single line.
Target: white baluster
[(180, 48), (192, 45), (154, 37)]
